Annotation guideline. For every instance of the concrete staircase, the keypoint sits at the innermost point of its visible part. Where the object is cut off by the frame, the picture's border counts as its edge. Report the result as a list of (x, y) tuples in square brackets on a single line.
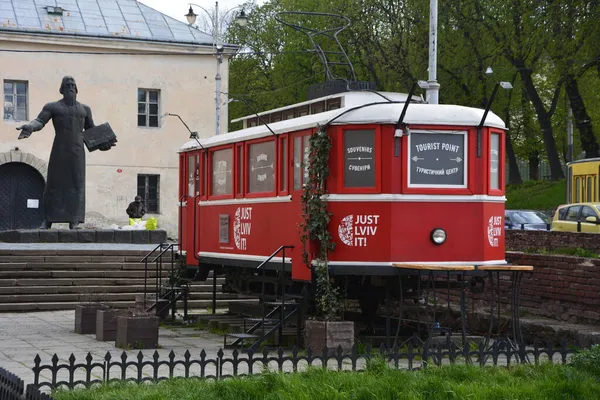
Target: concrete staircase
[(35, 280)]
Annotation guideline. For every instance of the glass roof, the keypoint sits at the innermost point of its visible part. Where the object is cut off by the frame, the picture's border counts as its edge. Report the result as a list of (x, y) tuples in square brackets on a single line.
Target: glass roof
[(112, 18)]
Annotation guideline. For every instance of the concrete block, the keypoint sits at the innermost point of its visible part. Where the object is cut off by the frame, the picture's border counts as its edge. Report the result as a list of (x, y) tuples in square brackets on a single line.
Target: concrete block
[(122, 236), (86, 236), (140, 237), (48, 235), (105, 236), (29, 236), (9, 236), (67, 236), (158, 236), (3, 158), (15, 156)]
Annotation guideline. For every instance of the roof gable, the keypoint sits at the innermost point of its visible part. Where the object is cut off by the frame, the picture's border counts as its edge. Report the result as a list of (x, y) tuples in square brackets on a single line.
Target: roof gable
[(127, 19)]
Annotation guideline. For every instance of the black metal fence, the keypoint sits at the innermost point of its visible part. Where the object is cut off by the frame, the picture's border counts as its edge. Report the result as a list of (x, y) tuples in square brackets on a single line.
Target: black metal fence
[(140, 368), (13, 388)]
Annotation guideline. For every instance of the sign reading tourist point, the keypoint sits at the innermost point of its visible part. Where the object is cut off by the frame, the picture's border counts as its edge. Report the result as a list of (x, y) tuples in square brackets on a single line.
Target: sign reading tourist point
[(494, 230), (242, 226), (437, 159), (355, 230)]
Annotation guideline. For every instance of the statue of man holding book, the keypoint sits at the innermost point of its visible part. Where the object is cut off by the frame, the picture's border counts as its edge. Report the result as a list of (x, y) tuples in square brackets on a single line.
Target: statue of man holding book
[(64, 194)]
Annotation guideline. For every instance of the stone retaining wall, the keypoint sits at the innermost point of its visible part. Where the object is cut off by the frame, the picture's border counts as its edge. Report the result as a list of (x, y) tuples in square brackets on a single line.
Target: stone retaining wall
[(518, 240), (560, 287)]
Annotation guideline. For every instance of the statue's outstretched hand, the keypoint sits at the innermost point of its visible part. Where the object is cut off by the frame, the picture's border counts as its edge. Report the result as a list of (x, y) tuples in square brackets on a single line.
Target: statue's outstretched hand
[(25, 131)]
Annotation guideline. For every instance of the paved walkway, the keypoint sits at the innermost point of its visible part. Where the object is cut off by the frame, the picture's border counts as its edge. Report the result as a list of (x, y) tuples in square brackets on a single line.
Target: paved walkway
[(25, 335)]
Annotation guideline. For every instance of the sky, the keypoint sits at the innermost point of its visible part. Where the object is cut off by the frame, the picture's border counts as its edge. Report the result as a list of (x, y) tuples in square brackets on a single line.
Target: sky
[(178, 8)]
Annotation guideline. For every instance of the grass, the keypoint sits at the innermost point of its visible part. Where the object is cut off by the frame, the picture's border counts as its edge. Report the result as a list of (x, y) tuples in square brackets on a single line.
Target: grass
[(536, 195), (377, 382)]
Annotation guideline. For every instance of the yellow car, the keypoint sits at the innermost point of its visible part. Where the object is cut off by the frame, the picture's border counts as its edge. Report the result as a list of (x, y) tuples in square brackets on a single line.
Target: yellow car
[(577, 217)]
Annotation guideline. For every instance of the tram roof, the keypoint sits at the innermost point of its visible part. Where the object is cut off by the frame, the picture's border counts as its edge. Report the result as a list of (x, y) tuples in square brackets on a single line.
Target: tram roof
[(375, 110)]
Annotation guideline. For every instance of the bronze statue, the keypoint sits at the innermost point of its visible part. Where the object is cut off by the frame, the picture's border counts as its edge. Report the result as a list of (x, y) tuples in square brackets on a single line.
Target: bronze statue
[(64, 194)]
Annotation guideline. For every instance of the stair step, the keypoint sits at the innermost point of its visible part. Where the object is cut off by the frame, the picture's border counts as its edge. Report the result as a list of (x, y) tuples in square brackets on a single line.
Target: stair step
[(266, 320), (242, 335), (82, 296), (278, 303), (48, 306)]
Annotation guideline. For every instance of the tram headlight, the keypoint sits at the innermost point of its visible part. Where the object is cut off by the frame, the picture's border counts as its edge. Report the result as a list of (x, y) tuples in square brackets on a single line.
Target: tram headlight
[(438, 236)]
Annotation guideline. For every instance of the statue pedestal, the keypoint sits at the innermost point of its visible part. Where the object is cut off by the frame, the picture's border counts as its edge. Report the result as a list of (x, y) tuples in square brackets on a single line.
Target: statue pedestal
[(84, 236)]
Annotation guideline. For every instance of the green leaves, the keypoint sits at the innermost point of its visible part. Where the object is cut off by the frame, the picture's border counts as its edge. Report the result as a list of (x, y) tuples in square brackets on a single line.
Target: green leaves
[(315, 227)]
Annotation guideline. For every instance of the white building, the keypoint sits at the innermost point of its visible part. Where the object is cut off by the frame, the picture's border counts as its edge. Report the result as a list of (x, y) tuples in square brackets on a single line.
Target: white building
[(132, 65)]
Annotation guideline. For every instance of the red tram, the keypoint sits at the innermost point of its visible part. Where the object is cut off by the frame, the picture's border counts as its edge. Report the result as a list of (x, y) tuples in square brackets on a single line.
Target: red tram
[(427, 189)]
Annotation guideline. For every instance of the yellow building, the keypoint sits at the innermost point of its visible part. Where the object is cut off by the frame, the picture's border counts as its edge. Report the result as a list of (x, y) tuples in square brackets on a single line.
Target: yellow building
[(132, 65)]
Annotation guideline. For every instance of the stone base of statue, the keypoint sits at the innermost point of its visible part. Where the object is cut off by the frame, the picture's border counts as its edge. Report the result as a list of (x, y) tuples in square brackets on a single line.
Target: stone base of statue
[(84, 236)]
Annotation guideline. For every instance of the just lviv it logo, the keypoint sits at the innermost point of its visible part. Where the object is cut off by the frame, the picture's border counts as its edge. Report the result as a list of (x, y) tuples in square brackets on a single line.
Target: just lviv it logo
[(356, 230)]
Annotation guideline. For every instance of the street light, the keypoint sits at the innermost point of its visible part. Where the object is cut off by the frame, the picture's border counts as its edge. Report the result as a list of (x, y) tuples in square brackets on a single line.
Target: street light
[(241, 19)]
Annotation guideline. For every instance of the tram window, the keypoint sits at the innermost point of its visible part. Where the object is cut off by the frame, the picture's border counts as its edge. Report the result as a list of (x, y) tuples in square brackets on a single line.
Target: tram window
[(495, 161), (193, 175), (590, 189), (240, 170), (359, 158), (288, 114), (297, 162), (261, 167), (437, 159), (284, 161), (333, 104), (301, 160), (317, 108), (204, 162), (305, 158), (576, 190), (222, 176)]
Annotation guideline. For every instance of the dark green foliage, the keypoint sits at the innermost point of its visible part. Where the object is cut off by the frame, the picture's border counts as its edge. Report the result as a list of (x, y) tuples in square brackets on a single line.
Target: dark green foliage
[(314, 228)]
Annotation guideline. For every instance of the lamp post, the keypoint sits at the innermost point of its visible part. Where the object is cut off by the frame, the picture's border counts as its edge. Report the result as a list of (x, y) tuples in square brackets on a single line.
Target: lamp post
[(241, 20)]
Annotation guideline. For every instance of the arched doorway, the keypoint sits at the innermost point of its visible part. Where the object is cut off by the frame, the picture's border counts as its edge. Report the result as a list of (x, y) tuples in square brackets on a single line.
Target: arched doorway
[(21, 191)]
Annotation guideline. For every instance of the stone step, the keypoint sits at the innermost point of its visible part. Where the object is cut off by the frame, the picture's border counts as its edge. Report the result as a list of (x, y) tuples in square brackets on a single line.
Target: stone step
[(101, 266), (47, 306), (81, 297), (78, 274), (78, 258), (69, 281), (76, 288)]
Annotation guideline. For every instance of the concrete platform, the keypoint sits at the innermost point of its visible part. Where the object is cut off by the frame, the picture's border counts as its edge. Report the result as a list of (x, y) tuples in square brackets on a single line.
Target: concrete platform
[(84, 236)]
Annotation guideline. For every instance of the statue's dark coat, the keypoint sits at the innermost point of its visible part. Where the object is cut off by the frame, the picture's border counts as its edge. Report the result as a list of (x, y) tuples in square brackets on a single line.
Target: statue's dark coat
[(64, 195)]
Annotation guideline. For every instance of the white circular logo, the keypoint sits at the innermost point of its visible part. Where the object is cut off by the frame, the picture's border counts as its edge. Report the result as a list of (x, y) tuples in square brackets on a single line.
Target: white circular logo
[(346, 231)]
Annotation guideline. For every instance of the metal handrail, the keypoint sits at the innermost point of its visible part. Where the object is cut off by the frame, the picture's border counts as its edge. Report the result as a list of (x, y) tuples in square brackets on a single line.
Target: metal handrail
[(281, 286), (273, 255)]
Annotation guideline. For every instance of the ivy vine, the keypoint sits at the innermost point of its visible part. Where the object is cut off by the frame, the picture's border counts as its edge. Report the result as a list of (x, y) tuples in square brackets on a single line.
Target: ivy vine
[(314, 227)]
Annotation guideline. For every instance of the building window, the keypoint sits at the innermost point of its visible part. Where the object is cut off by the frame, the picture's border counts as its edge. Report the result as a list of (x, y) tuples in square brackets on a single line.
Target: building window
[(15, 101), (149, 191), (222, 172), (261, 167), (148, 101), (359, 159)]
